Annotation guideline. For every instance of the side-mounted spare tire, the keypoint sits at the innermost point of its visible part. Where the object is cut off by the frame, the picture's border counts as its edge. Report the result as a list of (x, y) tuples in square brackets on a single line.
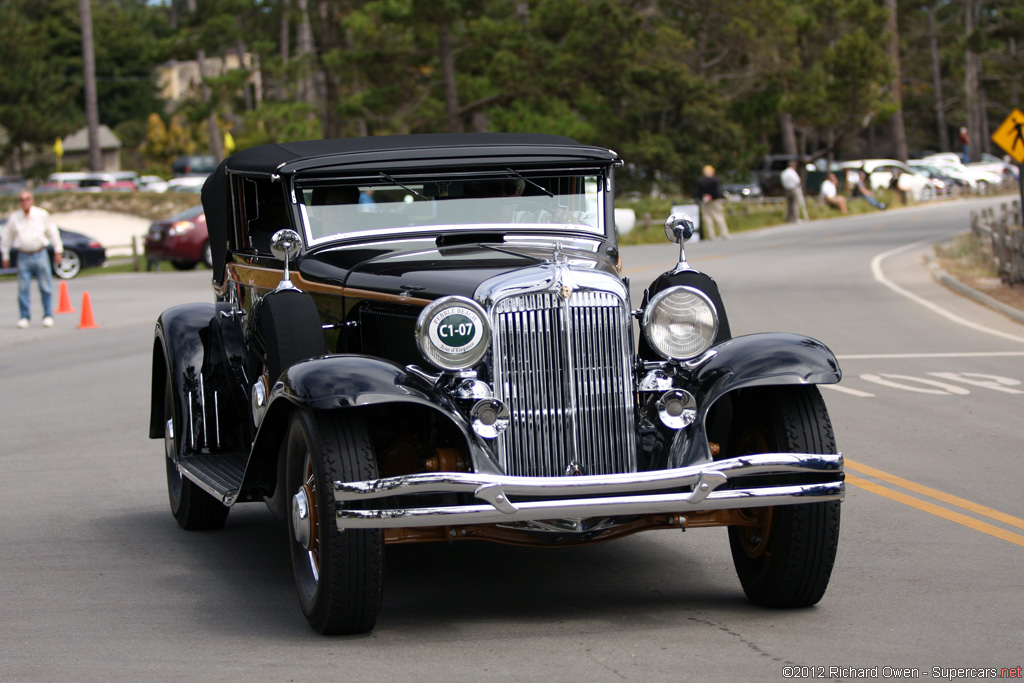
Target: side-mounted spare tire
[(288, 329)]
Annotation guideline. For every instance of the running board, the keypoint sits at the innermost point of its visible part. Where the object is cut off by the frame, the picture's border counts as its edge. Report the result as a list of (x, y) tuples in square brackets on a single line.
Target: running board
[(219, 475)]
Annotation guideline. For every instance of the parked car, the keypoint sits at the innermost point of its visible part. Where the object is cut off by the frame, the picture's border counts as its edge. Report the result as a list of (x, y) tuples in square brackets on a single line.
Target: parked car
[(152, 183), (189, 165), (979, 181), (80, 251), (181, 239), (1001, 167), (458, 361), (62, 181), (951, 185), (881, 171), (193, 184), (119, 181), (738, 186), (12, 184), (769, 175)]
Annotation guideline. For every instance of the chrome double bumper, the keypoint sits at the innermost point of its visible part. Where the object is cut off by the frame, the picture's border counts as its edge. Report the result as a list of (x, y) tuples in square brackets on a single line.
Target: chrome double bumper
[(517, 499)]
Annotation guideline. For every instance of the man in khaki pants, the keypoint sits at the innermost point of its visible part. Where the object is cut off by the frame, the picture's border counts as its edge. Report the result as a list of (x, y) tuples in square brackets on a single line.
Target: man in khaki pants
[(712, 209)]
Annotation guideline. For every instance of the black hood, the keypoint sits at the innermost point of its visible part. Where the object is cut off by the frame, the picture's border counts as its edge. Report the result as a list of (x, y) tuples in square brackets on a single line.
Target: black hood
[(422, 269)]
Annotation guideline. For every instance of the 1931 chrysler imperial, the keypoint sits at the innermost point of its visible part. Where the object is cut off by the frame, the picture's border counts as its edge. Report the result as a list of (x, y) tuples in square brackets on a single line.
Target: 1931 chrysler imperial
[(427, 338)]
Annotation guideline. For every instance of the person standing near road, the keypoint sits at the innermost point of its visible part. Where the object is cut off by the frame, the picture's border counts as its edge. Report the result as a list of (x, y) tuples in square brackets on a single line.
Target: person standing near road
[(791, 184), (30, 231), (712, 209)]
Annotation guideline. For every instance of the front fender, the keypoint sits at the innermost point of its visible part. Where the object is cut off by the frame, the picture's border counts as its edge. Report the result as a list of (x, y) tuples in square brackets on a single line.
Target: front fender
[(178, 357), (765, 359), (755, 360), (353, 381)]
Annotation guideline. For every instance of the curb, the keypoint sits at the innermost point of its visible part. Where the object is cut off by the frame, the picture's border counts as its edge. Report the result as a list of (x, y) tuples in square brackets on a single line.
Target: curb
[(949, 281)]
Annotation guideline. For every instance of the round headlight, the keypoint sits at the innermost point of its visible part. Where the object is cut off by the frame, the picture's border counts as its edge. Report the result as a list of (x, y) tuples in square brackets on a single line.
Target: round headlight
[(680, 323), (452, 333)]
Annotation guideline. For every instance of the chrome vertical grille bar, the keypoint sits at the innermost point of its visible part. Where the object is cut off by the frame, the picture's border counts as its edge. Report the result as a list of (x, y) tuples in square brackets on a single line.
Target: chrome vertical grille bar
[(543, 347)]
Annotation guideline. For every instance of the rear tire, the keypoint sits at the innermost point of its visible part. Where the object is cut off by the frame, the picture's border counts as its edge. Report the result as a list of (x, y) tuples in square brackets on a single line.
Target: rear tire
[(184, 265), (338, 575), (785, 558)]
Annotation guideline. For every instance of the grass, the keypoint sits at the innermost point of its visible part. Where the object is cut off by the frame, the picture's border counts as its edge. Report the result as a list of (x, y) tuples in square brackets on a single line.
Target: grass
[(740, 216), (964, 258)]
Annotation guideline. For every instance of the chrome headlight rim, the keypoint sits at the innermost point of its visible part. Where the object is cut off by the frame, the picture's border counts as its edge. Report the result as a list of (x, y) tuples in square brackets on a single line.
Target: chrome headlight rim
[(706, 341), (433, 332)]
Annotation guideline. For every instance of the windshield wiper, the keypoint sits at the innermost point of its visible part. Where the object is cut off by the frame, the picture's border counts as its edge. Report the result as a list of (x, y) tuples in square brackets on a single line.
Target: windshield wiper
[(519, 175), (388, 178)]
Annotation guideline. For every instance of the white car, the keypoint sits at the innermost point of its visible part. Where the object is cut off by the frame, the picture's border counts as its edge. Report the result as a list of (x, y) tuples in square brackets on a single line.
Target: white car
[(979, 181), (152, 183), (881, 171), (993, 164), (190, 183)]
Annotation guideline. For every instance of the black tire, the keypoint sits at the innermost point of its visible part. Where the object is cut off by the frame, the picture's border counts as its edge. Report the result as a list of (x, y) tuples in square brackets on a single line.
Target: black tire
[(70, 265), (785, 559), (207, 255), (338, 575), (192, 507), (184, 265)]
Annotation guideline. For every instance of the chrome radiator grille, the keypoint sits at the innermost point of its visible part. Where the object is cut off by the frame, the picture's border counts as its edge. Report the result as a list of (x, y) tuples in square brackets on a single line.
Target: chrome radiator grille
[(564, 370)]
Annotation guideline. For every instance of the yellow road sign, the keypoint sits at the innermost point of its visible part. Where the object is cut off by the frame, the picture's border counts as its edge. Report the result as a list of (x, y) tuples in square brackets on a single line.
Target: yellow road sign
[(1010, 135)]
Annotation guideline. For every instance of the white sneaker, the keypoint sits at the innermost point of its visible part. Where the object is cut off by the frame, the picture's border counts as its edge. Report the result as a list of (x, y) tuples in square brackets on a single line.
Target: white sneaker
[(23, 323), (47, 321)]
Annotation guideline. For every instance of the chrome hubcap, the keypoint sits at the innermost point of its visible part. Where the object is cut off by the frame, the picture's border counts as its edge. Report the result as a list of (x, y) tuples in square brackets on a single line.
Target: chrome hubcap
[(301, 519)]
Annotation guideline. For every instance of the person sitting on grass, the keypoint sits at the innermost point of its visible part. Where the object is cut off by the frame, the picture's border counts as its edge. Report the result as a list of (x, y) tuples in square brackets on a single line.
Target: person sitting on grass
[(862, 189), (830, 194)]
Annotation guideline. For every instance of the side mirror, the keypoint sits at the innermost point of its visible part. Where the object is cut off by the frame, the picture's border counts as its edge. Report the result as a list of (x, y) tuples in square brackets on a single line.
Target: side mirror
[(285, 245), (679, 228)]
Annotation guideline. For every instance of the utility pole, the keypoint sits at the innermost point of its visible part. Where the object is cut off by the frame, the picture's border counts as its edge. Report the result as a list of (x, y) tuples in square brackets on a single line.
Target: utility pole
[(92, 114)]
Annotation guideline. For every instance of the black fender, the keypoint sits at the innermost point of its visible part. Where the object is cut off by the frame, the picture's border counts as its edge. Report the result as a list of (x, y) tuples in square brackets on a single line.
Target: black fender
[(754, 360), (177, 355), (350, 382)]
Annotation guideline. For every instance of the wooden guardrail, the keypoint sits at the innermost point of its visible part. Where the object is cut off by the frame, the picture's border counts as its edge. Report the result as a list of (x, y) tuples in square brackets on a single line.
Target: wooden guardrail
[(1002, 235)]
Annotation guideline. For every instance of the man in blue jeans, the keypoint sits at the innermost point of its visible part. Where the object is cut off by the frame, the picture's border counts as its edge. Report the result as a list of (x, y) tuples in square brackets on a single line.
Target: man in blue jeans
[(30, 231)]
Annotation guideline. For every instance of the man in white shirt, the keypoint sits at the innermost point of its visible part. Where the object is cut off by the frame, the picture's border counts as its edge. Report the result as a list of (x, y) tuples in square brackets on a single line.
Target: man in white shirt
[(830, 194), (30, 231), (794, 193)]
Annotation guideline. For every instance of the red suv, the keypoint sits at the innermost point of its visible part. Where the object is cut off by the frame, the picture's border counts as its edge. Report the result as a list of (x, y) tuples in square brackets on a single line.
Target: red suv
[(181, 239)]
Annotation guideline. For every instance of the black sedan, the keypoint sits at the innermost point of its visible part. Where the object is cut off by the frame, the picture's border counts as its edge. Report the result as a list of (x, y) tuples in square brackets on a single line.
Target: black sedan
[(80, 251)]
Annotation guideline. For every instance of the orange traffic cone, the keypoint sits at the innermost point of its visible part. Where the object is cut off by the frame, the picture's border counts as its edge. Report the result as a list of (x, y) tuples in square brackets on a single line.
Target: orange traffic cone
[(87, 320), (64, 306)]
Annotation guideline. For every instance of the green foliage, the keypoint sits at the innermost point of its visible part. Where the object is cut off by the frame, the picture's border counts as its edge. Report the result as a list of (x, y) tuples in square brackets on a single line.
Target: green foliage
[(670, 84)]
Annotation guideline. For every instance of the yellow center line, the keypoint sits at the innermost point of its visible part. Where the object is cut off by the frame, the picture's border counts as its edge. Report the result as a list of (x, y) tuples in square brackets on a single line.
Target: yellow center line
[(966, 521), (937, 495)]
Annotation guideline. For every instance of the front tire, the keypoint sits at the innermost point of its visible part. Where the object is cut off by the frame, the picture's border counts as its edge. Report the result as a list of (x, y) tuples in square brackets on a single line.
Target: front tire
[(338, 575), (784, 558), (193, 508)]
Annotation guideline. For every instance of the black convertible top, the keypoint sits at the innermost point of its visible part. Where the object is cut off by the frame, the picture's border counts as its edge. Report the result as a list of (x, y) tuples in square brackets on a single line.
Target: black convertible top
[(288, 156), (382, 151)]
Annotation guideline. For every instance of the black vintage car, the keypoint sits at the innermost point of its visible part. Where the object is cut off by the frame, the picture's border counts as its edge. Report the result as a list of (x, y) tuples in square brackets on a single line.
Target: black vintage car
[(427, 338)]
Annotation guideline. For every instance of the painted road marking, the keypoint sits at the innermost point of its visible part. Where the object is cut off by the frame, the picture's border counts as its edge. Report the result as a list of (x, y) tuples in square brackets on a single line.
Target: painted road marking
[(931, 386), (876, 271), (932, 508)]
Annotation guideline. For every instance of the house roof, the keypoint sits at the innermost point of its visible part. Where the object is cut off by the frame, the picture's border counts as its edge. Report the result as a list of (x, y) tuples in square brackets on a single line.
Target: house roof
[(79, 141)]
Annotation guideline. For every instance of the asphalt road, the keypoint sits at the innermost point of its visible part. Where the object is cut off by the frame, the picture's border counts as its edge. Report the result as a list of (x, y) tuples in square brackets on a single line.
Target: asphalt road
[(97, 582)]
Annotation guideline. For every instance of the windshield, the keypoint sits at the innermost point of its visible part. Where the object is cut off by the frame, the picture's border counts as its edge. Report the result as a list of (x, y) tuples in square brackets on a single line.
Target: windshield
[(394, 205)]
